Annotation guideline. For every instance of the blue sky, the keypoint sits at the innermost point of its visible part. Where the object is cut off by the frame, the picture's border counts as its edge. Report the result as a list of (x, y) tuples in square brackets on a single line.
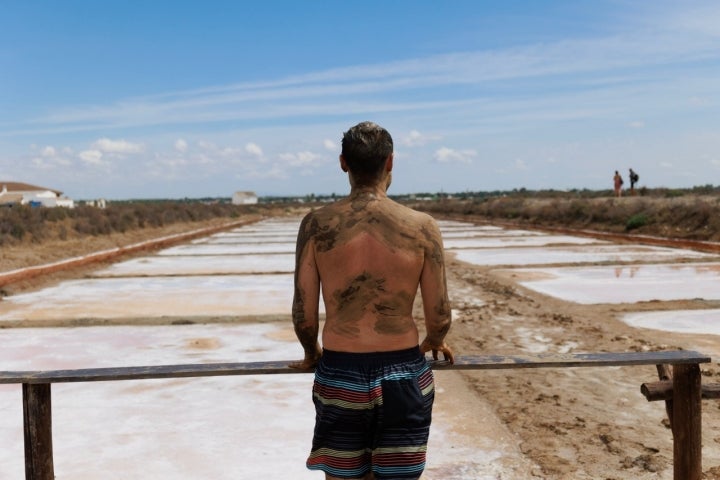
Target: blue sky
[(167, 99)]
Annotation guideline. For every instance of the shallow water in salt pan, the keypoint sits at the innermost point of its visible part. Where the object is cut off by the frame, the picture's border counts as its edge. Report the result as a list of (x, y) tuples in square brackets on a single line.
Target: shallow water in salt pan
[(573, 254), (704, 321), (625, 284)]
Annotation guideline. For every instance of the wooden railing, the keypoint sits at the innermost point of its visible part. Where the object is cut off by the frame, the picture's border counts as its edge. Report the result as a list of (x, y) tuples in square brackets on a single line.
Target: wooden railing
[(680, 388)]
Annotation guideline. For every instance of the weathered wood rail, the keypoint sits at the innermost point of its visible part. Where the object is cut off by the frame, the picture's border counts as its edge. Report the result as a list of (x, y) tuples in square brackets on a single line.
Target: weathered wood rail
[(681, 388)]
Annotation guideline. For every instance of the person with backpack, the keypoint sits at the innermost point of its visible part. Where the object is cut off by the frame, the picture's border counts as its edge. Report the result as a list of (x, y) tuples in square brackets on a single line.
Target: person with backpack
[(634, 177)]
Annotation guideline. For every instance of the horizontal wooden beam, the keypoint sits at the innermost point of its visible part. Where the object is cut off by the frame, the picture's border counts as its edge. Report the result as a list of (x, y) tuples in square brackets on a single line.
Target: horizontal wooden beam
[(469, 362), (663, 390), (555, 360)]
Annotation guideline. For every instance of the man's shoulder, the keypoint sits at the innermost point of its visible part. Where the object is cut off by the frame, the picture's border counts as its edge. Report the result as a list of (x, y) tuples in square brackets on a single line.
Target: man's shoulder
[(414, 215), (323, 215), (327, 211)]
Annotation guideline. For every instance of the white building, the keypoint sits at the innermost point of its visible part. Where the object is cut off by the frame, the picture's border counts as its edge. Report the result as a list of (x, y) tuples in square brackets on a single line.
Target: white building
[(24, 193), (244, 198)]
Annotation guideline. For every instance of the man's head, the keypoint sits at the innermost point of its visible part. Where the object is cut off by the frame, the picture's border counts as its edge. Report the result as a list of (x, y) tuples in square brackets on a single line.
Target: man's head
[(366, 147)]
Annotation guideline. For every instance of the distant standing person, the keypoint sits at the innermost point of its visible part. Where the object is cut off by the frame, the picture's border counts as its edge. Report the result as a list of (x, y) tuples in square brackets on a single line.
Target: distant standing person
[(373, 390), (617, 184), (634, 177)]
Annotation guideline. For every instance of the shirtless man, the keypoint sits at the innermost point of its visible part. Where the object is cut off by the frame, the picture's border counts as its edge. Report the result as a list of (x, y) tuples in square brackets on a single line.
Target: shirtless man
[(373, 389)]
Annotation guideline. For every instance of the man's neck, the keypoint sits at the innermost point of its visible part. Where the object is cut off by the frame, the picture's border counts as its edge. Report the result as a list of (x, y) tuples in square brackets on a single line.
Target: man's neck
[(369, 192)]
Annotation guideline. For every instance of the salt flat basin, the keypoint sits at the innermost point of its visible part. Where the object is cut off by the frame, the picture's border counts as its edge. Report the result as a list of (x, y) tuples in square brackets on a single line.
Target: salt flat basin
[(573, 254), (260, 232), (484, 233), (623, 284), (517, 241), (279, 224), (245, 239), (681, 321), (154, 297), (230, 249), (201, 265), (235, 427), (448, 225), (219, 428)]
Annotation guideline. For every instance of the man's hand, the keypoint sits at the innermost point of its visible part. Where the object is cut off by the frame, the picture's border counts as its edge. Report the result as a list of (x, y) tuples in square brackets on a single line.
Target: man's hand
[(309, 362), (425, 346)]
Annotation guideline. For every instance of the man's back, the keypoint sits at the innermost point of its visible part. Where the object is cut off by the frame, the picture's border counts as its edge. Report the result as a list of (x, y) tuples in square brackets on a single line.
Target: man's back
[(370, 252)]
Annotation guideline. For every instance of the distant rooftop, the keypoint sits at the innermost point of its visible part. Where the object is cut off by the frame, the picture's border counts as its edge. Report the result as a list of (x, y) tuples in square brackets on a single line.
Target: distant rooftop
[(12, 187)]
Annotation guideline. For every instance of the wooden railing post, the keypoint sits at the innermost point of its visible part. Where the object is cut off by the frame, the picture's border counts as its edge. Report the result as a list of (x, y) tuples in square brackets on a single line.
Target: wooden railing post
[(37, 423), (665, 374), (686, 422)]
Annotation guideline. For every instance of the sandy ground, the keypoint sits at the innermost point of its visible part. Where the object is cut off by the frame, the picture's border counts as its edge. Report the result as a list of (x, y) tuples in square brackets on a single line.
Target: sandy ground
[(589, 423), (576, 423)]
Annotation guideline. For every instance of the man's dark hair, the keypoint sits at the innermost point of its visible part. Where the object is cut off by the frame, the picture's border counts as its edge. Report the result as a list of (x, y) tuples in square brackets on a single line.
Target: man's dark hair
[(365, 147)]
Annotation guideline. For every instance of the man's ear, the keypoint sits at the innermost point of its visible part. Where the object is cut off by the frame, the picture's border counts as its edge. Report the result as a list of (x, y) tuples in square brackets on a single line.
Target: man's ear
[(389, 163), (343, 164)]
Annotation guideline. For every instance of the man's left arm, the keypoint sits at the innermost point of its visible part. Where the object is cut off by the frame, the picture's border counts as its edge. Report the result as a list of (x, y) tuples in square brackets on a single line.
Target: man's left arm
[(306, 298)]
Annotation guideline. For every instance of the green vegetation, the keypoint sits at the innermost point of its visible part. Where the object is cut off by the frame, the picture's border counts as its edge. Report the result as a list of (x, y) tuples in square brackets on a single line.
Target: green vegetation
[(692, 214), (37, 224), (636, 221), (674, 213)]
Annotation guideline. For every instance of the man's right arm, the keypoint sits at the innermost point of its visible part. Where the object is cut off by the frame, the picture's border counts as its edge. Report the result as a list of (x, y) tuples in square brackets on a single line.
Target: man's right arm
[(433, 288), (306, 298)]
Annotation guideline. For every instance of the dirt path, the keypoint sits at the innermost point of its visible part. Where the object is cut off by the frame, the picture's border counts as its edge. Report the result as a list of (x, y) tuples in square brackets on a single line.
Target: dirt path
[(575, 423)]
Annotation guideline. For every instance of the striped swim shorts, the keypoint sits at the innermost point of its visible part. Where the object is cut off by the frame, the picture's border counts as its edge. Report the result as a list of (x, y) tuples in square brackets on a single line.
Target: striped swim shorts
[(373, 412)]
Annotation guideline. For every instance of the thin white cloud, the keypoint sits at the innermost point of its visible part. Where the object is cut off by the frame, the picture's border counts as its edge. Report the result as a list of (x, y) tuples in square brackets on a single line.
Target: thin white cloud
[(231, 151), (275, 172), (330, 145), (40, 163), (48, 151), (254, 149), (91, 157), (181, 145), (51, 157), (302, 159), (107, 145), (417, 139), (447, 155)]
